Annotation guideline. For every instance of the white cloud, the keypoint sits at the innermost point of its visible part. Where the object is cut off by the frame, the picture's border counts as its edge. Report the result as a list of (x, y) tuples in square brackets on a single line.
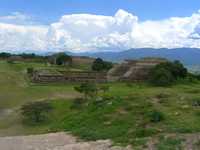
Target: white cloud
[(17, 18), (16, 38), (86, 32)]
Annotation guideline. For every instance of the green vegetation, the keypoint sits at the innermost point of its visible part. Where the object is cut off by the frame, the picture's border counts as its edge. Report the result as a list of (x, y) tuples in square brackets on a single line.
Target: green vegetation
[(30, 70), (88, 89), (156, 116), (126, 113), (100, 65), (167, 73), (169, 143), (36, 111), (63, 59)]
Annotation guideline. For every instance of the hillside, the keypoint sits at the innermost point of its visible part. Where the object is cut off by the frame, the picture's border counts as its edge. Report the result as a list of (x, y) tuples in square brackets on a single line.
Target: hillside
[(128, 114), (189, 56)]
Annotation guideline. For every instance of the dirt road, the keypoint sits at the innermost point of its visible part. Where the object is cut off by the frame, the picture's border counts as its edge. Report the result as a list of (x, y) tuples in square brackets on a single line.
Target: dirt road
[(53, 141)]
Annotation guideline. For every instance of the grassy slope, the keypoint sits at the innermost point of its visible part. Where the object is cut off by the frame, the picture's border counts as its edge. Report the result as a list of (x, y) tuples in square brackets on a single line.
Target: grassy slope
[(15, 90), (123, 118)]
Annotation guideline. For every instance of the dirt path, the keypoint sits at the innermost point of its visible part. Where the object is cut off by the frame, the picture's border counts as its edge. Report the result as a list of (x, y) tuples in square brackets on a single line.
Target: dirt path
[(53, 141)]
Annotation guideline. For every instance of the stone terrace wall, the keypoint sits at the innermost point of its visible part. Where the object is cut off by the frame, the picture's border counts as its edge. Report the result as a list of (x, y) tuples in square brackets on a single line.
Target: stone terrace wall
[(134, 70), (69, 76)]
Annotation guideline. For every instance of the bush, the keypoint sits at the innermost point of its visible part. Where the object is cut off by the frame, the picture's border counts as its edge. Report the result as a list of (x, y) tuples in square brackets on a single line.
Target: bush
[(5, 55), (88, 89), (63, 59), (36, 111), (196, 103), (161, 77), (77, 103), (156, 116), (167, 73), (30, 70), (100, 65)]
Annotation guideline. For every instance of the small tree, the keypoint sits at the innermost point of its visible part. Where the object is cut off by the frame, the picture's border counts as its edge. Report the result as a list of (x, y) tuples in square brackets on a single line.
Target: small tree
[(100, 65), (178, 70), (156, 116), (30, 70), (63, 59), (36, 111), (161, 77), (166, 73), (5, 55), (88, 89)]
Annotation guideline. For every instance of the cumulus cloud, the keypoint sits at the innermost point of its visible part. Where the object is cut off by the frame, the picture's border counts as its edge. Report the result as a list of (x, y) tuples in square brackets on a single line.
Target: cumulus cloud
[(16, 38), (86, 32)]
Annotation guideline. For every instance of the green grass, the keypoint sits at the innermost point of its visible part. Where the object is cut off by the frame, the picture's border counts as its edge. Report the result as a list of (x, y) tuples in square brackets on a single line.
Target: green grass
[(124, 116), (169, 143)]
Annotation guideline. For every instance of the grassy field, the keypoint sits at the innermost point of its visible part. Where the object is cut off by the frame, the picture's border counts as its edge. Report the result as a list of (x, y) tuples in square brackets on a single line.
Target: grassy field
[(123, 115)]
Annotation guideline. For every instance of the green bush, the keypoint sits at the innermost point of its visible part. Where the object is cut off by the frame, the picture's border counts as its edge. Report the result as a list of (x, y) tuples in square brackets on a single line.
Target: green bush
[(30, 70), (196, 103), (88, 89), (77, 103), (36, 111), (167, 73), (63, 59), (156, 116), (100, 65), (161, 77)]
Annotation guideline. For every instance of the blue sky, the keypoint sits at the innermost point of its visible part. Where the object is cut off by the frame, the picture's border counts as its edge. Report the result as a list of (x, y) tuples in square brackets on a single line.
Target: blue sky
[(98, 25), (47, 11)]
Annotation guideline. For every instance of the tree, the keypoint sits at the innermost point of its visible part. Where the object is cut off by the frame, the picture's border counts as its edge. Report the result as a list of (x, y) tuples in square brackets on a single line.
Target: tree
[(88, 89), (161, 77), (30, 70), (178, 70), (28, 56), (100, 65), (36, 111), (5, 55), (63, 59), (166, 73)]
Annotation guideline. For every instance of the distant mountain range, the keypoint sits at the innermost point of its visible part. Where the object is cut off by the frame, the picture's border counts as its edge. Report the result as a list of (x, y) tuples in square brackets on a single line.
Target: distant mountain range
[(188, 56)]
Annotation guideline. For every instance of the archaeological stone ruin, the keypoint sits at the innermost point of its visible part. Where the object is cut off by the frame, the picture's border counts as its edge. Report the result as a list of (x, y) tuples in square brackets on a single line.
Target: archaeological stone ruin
[(129, 70), (133, 70)]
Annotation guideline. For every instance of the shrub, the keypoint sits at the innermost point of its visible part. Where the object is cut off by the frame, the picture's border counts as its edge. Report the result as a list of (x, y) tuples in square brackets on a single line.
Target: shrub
[(166, 73), (161, 77), (77, 103), (156, 116), (30, 70), (5, 55), (36, 111), (88, 89), (100, 65), (196, 103), (63, 59)]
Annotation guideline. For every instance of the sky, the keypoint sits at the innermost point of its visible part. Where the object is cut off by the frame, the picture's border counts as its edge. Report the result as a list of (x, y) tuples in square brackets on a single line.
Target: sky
[(98, 25)]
